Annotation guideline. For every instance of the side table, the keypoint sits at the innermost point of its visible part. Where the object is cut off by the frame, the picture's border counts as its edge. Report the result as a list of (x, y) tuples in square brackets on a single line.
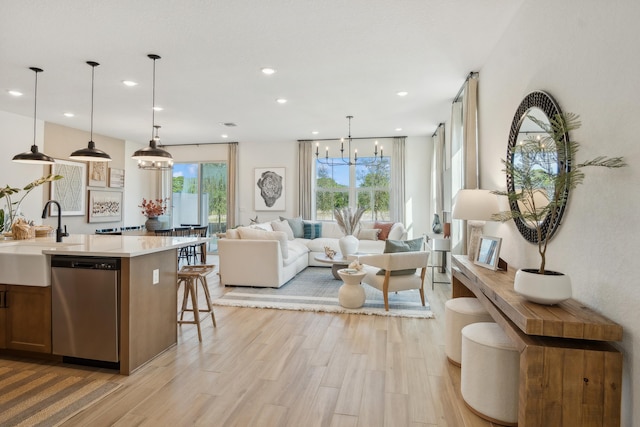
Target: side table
[(441, 246), (351, 293)]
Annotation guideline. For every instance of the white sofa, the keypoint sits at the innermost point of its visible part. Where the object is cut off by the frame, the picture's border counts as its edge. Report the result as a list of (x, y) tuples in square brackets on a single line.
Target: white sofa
[(261, 257)]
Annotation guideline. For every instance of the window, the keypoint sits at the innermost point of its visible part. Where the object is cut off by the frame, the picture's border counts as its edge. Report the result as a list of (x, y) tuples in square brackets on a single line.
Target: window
[(363, 185)]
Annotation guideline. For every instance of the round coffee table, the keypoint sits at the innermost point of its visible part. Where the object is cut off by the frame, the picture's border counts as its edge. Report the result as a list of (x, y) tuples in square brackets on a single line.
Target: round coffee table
[(337, 262), (351, 293)]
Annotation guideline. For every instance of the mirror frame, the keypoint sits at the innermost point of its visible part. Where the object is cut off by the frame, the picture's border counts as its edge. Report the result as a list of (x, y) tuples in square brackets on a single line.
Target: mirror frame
[(543, 101)]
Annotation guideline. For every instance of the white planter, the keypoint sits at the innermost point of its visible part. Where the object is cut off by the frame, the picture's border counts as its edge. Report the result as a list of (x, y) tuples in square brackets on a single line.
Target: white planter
[(348, 245), (548, 289)]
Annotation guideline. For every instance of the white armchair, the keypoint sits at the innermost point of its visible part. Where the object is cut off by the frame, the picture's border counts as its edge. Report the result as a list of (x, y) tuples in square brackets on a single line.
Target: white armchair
[(391, 262)]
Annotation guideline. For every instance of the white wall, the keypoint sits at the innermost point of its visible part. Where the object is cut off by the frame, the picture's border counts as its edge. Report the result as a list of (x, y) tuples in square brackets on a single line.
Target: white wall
[(17, 137), (584, 54)]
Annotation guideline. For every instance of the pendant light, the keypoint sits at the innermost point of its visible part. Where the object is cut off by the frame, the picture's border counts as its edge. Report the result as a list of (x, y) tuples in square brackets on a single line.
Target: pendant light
[(34, 156), (91, 153), (153, 157)]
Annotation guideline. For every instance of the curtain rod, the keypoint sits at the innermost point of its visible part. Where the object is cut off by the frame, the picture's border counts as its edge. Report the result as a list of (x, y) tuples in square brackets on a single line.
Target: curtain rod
[(362, 137), (436, 131), (198, 143), (471, 74)]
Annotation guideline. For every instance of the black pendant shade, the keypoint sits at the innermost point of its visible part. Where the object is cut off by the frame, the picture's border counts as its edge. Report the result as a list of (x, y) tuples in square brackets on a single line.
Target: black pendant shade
[(91, 153), (34, 156), (153, 157)]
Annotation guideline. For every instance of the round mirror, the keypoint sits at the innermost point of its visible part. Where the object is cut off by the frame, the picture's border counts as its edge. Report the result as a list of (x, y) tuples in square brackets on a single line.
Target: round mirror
[(536, 107)]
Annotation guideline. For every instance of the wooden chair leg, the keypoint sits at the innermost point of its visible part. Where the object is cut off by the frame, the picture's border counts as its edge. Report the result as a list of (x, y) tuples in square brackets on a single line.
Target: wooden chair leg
[(385, 290), (194, 303)]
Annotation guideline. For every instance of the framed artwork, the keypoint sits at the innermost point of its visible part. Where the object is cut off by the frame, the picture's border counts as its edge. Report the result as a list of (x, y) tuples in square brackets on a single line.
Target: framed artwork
[(116, 178), (489, 252), (97, 174), (269, 189), (105, 206), (69, 191)]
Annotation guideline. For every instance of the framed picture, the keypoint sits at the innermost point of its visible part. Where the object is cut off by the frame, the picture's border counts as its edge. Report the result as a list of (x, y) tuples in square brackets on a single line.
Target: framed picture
[(97, 174), (269, 189), (105, 206), (116, 178), (69, 191), (489, 252)]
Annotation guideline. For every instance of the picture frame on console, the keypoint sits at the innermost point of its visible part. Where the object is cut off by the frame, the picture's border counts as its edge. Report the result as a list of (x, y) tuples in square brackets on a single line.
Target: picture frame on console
[(489, 252)]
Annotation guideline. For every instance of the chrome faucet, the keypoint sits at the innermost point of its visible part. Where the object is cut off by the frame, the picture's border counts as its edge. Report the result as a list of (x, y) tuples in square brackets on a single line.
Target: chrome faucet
[(59, 233)]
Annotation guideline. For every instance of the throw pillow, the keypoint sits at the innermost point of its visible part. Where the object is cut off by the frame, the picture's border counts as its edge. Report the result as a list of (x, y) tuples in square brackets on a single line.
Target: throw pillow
[(283, 226), (395, 246), (296, 226), (312, 230), (385, 228), (368, 234), (257, 234)]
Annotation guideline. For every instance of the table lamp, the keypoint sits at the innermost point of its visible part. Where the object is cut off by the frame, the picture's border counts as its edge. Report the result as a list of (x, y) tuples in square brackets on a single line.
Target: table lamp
[(476, 206)]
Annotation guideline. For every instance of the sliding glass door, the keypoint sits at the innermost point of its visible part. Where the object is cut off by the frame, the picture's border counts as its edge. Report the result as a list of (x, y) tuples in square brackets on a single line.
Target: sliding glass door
[(200, 195)]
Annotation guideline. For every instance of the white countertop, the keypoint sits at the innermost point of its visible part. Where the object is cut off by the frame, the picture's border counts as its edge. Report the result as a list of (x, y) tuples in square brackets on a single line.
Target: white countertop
[(104, 245)]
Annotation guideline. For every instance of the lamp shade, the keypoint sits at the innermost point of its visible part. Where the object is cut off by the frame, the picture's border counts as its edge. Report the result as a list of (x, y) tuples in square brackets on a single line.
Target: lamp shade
[(475, 205)]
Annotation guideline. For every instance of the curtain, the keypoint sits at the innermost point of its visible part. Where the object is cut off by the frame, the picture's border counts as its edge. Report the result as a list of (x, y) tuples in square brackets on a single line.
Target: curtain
[(305, 180), (470, 131), (232, 184), (438, 155), (397, 210)]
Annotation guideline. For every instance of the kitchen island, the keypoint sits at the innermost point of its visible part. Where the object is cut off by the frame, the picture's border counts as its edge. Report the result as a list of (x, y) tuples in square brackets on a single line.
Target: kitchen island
[(147, 299)]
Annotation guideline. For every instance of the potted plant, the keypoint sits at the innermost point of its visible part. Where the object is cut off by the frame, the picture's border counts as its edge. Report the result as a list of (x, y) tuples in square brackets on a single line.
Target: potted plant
[(12, 208), (152, 209), (348, 221), (540, 191)]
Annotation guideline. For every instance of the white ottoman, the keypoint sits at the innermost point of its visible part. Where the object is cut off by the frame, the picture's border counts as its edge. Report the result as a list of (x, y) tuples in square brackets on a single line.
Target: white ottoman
[(458, 313), (490, 373)]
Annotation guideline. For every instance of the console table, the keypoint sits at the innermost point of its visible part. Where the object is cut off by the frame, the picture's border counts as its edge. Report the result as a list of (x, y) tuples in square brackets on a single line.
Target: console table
[(570, 374)]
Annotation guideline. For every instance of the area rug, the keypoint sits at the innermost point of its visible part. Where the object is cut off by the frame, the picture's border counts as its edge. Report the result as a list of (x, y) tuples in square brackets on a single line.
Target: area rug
[(36, 398), (315, 289)]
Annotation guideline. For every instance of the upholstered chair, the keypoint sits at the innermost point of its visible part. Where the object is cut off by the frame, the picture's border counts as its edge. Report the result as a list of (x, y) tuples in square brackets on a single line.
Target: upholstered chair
[(394, 272)]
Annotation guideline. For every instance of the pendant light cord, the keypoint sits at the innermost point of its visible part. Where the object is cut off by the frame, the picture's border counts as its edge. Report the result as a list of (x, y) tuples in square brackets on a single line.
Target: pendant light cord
[(35, 105), (153, 100), (93, 71)]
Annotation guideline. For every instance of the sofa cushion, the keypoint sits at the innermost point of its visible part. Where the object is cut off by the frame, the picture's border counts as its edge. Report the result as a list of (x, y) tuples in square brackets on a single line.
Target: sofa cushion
[(312, 230), (317, 245), (257, 234), (232, 233), (385, 228), (331, 229), (368, 234), (296, 226), (394, 246), (283, 226)]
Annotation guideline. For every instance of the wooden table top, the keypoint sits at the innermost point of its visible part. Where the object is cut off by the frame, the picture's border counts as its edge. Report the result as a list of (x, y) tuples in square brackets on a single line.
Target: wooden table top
[(569, 319)]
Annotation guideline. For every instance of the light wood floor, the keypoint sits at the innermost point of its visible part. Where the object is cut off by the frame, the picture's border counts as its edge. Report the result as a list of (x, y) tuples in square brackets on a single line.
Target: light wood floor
[(264, 367)]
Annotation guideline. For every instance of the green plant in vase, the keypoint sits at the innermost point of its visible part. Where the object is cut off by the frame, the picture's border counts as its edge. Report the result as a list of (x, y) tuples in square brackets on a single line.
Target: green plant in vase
[(540, 185), (12, 208)]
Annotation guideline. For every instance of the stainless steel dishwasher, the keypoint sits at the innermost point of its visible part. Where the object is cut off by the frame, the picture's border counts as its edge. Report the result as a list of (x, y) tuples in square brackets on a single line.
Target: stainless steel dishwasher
[(84, 307)]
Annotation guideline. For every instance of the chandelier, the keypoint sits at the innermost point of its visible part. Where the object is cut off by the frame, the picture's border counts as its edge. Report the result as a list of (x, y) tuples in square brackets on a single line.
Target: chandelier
[(342, 161), (153, 157)]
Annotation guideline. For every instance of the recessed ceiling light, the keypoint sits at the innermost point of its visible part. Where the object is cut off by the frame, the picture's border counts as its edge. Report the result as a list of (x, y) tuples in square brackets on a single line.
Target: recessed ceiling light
[(268, 70), (398, 129), (129, 83), (315, 132), (14, 93), (224, 135), (68, 114), (402, 93), (281, 101), (157, 108)]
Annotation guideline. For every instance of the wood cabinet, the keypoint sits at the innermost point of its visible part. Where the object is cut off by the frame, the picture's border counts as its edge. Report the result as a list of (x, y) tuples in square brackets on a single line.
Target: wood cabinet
[(570, 374), (25, 318)]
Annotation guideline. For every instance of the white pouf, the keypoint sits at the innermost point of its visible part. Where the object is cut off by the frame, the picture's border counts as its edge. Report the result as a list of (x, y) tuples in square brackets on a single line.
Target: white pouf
[(490, 373), (458, 313)]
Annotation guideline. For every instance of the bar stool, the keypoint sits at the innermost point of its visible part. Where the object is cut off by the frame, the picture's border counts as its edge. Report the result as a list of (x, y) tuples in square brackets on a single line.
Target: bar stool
[(191, 275)]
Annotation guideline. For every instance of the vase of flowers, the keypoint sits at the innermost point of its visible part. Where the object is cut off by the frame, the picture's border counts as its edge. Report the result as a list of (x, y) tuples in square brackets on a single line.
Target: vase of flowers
[(348, 221), (152, 209), (11, 212)]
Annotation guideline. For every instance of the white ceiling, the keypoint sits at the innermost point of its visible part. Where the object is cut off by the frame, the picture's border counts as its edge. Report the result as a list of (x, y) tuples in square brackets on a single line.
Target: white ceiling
[(333, 58)]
